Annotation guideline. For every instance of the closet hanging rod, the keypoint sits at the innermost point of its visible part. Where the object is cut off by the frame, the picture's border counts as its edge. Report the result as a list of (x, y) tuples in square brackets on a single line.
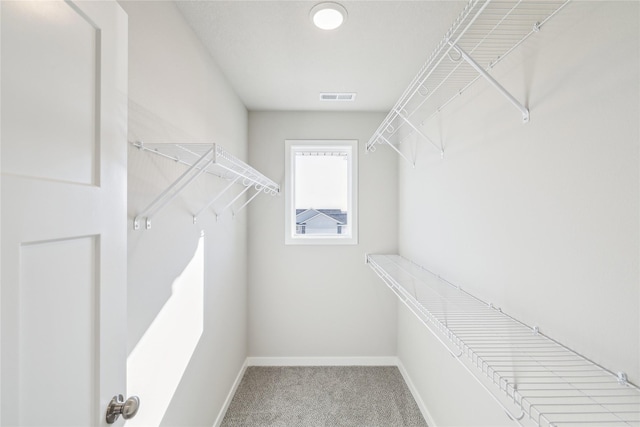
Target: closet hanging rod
[(525, 371), (145, 147)]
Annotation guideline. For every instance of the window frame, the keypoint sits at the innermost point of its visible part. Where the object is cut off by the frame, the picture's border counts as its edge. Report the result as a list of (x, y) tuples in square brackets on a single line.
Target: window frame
[(291, 238)]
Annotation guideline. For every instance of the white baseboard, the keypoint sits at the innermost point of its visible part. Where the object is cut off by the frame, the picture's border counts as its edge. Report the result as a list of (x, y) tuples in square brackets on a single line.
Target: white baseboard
[(323, 361), (414, 392), (230, 395)]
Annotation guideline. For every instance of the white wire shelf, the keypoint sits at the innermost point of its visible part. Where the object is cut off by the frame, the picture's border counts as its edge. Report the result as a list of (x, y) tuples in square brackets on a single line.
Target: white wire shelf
[(483, 34), (535, 379), (204, 158)]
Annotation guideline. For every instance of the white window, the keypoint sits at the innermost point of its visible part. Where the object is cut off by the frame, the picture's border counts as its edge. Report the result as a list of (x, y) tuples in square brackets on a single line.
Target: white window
[(320, 191)]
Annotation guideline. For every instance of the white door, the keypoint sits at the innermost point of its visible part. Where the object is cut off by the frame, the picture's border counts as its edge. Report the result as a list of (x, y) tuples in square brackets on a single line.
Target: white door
[(63, 228)]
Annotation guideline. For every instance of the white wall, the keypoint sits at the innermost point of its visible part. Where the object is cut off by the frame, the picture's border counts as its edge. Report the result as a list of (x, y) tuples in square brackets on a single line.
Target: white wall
[(540, 219), (320, 301), (187, 309)]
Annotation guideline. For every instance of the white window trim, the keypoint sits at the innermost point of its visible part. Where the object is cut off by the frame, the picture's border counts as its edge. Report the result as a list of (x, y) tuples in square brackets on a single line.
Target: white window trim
[(290, 225)]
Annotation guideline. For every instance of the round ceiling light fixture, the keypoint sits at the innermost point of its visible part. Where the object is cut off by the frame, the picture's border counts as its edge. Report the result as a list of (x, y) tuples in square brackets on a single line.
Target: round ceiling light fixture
[(328, 16)]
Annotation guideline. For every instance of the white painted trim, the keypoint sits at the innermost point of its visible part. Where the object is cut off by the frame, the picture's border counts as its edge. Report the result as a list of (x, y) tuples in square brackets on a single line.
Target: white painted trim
[(230, 395), (416, 396), (350, 146), (323, 361)]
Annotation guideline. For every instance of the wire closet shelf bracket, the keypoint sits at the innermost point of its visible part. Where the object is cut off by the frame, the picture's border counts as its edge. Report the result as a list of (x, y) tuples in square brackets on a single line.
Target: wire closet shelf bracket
[(482, 35), (204, 158), (535, 379)]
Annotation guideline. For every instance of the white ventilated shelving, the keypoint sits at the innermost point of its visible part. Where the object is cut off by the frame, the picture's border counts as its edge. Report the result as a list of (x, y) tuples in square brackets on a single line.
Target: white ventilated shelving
[(483, 34), (537, 380), (204, 158)]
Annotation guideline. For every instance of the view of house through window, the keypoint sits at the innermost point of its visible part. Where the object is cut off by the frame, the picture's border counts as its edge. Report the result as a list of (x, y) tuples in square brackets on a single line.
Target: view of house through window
[(321, 182), (320, 191)]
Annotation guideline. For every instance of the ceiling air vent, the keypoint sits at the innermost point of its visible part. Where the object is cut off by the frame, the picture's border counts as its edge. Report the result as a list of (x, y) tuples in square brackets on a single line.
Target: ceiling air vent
[(337, 96)]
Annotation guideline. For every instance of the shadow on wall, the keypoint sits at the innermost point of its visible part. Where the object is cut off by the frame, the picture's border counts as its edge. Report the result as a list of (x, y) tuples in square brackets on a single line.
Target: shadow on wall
[(157, 363), (166, 277), (159, 255), (167, 340)]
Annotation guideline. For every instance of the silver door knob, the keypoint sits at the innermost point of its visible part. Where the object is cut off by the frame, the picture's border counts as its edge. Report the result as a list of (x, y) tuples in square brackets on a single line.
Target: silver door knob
[(118, 406)]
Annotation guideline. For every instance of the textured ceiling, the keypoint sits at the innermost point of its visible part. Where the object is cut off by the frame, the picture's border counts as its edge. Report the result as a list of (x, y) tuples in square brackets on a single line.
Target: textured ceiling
[(276, 59)]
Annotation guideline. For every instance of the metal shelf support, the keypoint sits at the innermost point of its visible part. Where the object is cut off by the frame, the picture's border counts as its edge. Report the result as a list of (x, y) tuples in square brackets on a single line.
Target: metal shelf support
[(485, 32), (232, 202), (203, 158), (174, 189), (212, 201), (425, 137), (256, 194), (524, 110), (397, 151)]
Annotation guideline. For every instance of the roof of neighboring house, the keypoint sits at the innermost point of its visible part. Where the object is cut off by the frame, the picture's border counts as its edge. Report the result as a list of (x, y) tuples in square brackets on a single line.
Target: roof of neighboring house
[(304, 215)]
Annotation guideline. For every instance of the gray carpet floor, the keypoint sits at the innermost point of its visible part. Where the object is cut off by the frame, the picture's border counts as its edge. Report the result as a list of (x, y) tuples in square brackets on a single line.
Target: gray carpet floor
[(354, 396)]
